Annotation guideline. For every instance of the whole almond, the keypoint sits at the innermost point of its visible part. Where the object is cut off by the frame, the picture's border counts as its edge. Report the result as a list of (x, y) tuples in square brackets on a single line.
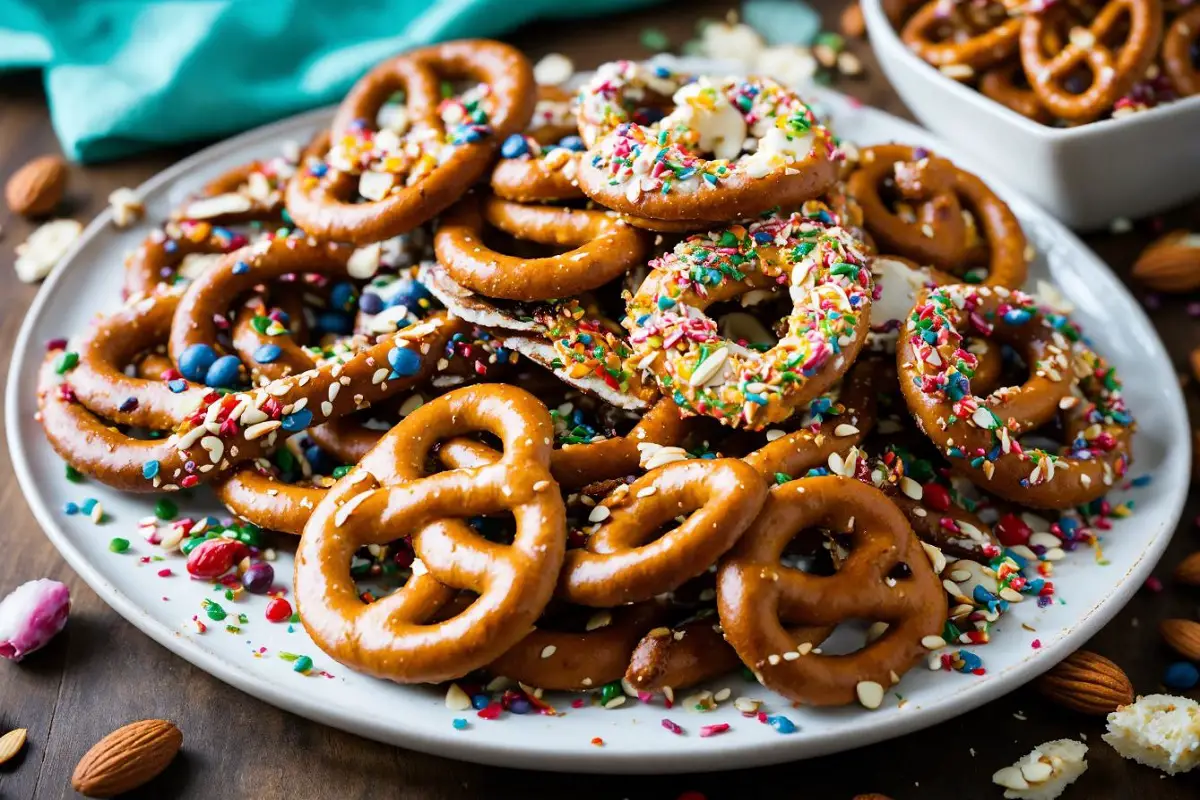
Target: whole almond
[(11, 744), (1188, 570), (36, 188), (1087, 683), (1182, 636), (127, 758), (852, 23), (1171, 263)]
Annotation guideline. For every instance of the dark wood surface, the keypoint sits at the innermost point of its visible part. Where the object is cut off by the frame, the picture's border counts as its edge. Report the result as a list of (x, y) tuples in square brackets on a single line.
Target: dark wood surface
[(102, 672)]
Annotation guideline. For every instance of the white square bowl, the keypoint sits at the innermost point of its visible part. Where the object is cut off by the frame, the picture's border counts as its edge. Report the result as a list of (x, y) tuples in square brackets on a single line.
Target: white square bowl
[(1086, 176)]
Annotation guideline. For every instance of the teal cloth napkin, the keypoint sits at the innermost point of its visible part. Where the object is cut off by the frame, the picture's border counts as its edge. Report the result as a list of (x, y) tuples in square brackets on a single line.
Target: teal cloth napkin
[(126, 75)]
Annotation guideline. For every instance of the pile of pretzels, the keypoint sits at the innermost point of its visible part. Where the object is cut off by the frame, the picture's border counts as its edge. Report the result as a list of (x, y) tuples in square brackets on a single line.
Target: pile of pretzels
[(638, 383), (1062, 62)]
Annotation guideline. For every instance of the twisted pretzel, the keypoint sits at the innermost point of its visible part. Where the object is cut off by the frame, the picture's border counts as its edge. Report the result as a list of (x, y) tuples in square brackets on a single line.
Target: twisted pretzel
[(704, 373), (572, 660), (235, 427), (1117, 47), (1180, 44), (389, 494), (658, 169), (623, 560), (886, 577), (945, 33), (938, 236), (1007, 85), (179, 250), (603, 249), (408, 176), (979, 435)]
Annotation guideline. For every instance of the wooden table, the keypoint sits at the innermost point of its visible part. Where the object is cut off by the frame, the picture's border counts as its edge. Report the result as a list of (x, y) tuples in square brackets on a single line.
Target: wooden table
[(102, 672)]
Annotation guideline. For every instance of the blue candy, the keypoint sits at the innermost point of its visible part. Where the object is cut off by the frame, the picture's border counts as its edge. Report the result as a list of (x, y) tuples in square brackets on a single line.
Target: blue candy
[(225, 373), (781, 723), (319, 460), (370, 303), (195, 361), (267, 353), (178, 386), (341, 296), (1181, 676), (409, 293), (572, 143), (150, 469), (405, 363), (514, 146), (519, 705), (297, 421), (479, 702)]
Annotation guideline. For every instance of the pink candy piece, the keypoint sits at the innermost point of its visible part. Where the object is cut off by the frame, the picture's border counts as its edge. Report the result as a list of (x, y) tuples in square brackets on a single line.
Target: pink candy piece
[(31, 616)]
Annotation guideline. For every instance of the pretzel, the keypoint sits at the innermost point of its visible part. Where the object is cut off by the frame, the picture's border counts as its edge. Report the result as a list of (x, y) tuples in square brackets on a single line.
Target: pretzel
[(388, 493), (1007, 85), (603, 249), (251, 192), (253, 494), (239, 272), (99, 381), (541, 165), (1180, 43), (658, 170), (979, 435), (1117, 46), (795, 453), (406, 176), (824, 269), (573, 660), (938, 235), (624, 561), (179, 250), (232, 428), (945, 33), (886, 577)]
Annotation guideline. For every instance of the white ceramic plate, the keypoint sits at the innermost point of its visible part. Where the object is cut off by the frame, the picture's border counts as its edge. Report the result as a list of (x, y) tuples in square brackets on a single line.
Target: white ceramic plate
[(634, 740)]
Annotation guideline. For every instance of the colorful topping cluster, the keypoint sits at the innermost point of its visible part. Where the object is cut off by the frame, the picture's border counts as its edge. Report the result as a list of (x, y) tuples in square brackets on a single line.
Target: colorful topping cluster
[(822, 267), (1095, 414), (402, 152), (585, 345), (648, 153)]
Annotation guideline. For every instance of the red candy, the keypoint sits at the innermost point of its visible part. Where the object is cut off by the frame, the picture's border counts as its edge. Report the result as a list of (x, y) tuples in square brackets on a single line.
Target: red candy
[(935, 496), (214, 558), (279, 610), (1011, 530)]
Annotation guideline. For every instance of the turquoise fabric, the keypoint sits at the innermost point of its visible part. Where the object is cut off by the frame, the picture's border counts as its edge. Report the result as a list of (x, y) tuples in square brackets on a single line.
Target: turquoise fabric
[(126, 75)]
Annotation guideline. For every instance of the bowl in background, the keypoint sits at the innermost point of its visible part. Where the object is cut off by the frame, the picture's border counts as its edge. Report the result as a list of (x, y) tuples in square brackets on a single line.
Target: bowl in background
[(1086, 176)]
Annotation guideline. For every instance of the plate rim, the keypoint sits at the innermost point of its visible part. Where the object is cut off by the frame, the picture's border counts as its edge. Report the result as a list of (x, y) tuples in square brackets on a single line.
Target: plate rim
[(452, 744)]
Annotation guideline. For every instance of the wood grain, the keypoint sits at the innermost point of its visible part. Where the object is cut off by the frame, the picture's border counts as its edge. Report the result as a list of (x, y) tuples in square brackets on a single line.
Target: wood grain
[(103, 673)]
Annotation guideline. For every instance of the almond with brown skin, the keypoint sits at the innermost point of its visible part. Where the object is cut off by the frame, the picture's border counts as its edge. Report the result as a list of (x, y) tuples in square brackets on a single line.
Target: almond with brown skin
[(1171, 264), (36, 188), (1188, 570), (1182, 636), (127, 758), (1087, 683)]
